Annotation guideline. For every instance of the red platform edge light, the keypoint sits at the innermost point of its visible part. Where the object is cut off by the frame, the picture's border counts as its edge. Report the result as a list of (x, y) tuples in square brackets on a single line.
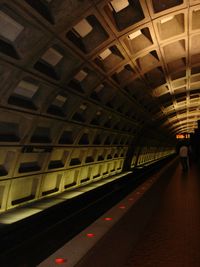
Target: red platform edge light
[(108, 219), (90, 235), (131, 198), (122, 207), (60, 260)]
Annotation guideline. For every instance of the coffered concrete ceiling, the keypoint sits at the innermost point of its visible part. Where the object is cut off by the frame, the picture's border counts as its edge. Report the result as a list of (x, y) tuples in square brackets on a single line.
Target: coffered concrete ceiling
[(81, 79), (140, 58)]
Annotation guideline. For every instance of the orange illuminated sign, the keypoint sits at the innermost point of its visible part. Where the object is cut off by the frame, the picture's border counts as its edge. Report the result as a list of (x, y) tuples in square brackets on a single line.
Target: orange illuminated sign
[(182, 136)]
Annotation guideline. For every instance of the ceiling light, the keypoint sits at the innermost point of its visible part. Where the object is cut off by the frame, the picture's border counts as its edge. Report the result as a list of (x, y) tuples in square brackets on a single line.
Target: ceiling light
[(98, 113), (80, 76), (120, 69), (135, 34), (26, 89), (52, 56), (196, 9), (83, 28), (83, 107), (118, 5), (59, 101), (9, 28), (99, 88), (166, 19), (105, 54)]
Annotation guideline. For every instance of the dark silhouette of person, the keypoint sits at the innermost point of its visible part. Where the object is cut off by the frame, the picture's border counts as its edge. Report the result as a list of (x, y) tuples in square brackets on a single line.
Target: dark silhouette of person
[(183, 154)]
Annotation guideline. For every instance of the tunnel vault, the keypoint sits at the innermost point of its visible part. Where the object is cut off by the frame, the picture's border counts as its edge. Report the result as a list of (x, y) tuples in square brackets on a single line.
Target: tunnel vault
[(92, 88)]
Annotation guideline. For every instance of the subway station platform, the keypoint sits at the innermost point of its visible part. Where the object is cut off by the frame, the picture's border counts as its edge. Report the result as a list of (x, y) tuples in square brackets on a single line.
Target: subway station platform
[(167, 236), (96, 98), (172, 237), (157, 224)]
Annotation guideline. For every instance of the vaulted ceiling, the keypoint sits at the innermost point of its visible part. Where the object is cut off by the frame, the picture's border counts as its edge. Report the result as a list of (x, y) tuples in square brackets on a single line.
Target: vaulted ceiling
[(82, 79), (140, 58)]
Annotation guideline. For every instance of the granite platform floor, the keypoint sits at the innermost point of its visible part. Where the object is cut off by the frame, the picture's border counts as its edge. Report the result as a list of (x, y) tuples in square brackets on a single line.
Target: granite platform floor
[(172, 237)]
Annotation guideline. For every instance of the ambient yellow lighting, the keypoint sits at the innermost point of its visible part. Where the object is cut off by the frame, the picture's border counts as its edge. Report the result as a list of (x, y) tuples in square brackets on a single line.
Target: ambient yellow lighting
[(70, 194), (17, 215)]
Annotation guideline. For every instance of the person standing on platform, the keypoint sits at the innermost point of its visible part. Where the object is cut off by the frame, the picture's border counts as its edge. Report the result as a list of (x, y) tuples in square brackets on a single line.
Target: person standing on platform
[(183, 154)]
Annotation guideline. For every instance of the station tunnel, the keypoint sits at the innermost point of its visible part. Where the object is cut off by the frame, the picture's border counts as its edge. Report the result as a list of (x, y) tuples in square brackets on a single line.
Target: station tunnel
[(93, 96)]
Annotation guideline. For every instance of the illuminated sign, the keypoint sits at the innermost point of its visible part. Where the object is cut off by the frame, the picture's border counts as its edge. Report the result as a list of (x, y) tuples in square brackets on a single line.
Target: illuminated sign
[(182, 136)]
